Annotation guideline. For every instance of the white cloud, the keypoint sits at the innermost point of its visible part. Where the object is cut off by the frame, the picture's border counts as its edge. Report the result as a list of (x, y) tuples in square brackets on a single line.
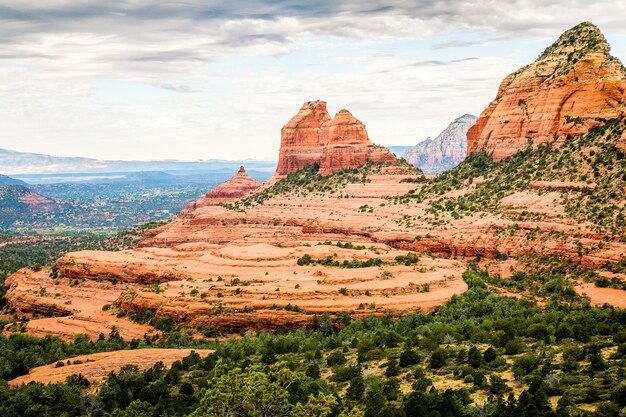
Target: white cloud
[(72, 70)]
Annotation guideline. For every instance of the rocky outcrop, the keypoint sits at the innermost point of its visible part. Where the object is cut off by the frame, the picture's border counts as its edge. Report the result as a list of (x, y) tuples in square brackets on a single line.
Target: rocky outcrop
[(311, 137), (303, 138), (349, 146), (573, 82), (64, 307), (447, 150), (239, 186)]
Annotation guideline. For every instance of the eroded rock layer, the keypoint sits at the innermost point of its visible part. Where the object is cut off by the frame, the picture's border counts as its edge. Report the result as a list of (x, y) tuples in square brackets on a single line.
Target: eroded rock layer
[(240, 185), (571, 84)]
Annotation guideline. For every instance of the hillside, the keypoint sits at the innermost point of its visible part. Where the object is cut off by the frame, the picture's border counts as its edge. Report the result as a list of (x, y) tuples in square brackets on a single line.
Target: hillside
[(586, 174), (20, 204)]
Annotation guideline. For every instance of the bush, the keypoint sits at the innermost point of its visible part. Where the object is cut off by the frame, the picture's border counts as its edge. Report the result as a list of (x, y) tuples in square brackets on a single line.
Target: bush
[(336, 358), (409, 357), (438, 358)]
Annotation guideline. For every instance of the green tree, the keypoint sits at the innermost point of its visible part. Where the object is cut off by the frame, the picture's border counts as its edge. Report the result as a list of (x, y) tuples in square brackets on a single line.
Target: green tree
[(249, 393), (319, 406)]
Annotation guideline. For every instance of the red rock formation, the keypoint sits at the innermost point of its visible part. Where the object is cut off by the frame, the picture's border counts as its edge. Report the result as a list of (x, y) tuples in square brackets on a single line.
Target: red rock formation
[(349, 146), (240, 185), (303, 138), (311, 137), (574, 81)]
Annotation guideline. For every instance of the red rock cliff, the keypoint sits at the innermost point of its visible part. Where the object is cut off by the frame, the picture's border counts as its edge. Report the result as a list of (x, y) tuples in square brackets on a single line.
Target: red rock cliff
[(574, 81), (349, 146), (312, 137), (303, 138)]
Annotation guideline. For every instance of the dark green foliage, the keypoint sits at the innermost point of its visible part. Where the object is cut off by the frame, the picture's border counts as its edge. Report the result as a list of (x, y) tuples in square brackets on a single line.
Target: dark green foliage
[(336, 358), (408, 259), (438, 358), (338, 364), (306, 259), (409, 357)]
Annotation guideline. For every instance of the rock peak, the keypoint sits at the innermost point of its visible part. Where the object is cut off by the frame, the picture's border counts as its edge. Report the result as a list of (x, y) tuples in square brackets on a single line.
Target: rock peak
[(466, 118), (238, 186), (445, 151), (315, 104), (574, 82), (312, 137), (573, 45)]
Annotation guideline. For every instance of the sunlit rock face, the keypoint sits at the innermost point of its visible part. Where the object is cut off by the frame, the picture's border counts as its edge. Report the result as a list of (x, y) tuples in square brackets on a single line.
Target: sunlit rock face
[(312, 137), (240, 185), (562, 93)]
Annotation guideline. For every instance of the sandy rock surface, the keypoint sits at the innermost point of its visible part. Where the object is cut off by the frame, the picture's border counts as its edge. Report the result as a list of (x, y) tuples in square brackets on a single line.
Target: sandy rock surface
[(97, 366)]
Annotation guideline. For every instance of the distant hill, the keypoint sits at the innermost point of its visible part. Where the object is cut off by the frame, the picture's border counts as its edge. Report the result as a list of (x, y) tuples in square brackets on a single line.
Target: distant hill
[(4, 180), (12, 163), (446, 151), (19, 203)]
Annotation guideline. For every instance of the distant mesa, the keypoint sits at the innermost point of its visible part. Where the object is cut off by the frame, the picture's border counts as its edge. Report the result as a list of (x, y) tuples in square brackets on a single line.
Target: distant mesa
[(447, 150), (572, 83), (239, 186), (312, 137)]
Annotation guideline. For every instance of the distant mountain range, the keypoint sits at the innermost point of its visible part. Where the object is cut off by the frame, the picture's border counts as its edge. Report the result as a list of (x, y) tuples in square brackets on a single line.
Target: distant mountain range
[(20, 163), (447, 150)]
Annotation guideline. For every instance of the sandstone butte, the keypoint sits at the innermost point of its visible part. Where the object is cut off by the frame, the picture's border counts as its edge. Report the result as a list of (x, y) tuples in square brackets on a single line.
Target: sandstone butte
[(240, 185), (236, 266), (573, 82), (312, 137)]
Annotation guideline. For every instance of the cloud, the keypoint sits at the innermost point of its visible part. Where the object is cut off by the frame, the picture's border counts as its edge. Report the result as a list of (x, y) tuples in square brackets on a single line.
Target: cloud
[(436, 62), (148, 40), (466, 43), (102, 77)]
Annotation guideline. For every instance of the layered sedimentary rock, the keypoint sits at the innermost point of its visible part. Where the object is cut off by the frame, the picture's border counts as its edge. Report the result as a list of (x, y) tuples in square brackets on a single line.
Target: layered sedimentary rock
[(349, 146), (312, 137), (573, 82), (240, 185), (303, 138), (446, 151), (65, 308), (332, 244)]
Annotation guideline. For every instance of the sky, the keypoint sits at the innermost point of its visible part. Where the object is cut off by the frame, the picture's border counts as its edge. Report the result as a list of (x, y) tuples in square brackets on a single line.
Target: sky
[(192, 79)]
